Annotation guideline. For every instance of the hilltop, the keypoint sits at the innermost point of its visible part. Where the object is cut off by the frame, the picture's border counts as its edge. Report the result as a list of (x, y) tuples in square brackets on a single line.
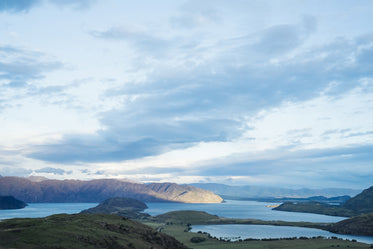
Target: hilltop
[(99, 190), (186, 216), (359, 225), (90, 231), (361, 203), (126, 207)]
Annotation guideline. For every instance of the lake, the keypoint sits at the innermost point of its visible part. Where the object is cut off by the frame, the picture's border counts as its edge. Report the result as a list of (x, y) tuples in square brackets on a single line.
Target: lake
[(36, 210), (229, 209), (241, 210), (236, 232)]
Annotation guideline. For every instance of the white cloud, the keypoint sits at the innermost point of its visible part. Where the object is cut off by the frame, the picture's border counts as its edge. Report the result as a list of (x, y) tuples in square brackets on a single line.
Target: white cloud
[(186, 89), (322, 122)]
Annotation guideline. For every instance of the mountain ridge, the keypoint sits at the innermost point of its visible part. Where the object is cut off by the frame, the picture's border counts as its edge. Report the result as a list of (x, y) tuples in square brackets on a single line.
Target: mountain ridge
[(126, 207), (247, 191), (101, 189)]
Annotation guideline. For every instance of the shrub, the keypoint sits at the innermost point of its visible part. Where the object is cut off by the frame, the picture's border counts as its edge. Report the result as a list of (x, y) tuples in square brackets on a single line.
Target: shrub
[(197, 239)]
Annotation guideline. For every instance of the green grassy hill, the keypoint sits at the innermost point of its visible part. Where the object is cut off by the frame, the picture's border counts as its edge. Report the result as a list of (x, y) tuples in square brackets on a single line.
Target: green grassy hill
[(359, 225), (126, 207), (315, 207), (360, 204), (82, 231), (186, 217)]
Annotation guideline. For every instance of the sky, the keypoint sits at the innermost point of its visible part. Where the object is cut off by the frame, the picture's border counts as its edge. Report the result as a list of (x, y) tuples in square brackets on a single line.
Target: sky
[(266, 93)]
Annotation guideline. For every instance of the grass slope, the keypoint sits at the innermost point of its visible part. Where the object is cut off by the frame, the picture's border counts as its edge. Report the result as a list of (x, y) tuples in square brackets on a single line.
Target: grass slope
[(315, 207), (127, 207), (186, 217), (82, 231), (359, 225), (361, 203)]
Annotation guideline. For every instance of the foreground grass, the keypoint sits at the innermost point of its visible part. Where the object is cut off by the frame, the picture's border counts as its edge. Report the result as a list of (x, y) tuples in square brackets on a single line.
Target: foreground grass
[(179, 232), (82, 231)]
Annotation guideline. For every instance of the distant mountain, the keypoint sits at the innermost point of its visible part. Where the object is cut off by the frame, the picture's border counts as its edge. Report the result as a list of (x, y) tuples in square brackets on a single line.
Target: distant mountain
[(320, 199), (126, 207), (9, 202), (227, 191), (99, 190), (66, 231)]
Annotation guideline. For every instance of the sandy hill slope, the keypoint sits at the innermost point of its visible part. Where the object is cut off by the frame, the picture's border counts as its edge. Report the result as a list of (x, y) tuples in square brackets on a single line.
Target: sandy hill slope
[(99, 190)]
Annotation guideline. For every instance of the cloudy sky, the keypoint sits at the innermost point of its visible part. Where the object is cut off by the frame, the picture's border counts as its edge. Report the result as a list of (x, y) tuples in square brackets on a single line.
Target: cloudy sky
[(239, 92)]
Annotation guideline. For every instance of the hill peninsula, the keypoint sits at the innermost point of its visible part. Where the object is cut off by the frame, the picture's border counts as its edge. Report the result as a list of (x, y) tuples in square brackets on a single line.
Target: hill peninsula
[(9, 202), (360, 204), (126, 207)]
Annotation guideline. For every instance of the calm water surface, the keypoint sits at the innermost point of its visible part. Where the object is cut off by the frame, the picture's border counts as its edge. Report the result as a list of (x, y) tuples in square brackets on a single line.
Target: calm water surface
[(36, 210), (241, 209), (235, 232)]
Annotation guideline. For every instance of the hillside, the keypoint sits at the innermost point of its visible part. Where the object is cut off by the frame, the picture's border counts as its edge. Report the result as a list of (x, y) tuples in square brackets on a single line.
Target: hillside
[(360, 204), (9, 202), (185, 217), (82, 231), (126, 207), (316, 208), (359, 225), (99, 190)]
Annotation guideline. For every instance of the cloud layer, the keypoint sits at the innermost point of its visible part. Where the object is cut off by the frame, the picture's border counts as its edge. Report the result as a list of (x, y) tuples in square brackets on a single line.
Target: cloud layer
[(256, 92)]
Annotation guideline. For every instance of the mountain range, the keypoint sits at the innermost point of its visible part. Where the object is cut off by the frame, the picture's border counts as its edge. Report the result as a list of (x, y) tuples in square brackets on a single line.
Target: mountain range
[(98, 190), (259, 192)]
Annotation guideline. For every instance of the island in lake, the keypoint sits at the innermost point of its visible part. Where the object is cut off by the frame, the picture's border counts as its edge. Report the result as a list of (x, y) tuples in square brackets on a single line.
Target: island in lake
[(9, 202)]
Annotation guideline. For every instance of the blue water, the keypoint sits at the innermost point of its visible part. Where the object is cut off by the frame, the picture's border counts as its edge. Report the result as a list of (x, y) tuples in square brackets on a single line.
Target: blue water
[(241, 210), (36, 210), (236, 232)]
